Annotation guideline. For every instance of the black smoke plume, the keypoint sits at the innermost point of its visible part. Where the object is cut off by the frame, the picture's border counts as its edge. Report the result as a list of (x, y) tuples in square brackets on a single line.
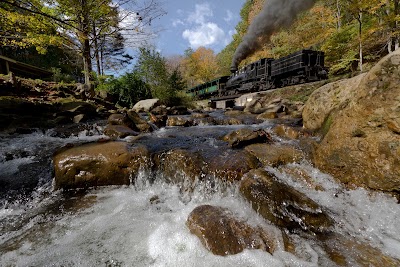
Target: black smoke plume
[(275, 15)]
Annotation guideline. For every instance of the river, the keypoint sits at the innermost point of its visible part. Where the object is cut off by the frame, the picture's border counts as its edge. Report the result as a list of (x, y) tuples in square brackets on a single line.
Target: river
[(143, 224)]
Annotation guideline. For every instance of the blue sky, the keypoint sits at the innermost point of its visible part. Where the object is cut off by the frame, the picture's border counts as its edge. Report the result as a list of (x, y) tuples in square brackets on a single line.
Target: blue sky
[(197, 23)]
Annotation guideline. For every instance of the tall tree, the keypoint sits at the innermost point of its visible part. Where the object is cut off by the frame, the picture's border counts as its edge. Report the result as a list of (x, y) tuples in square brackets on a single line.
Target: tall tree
[(201, 65), (393, 12), (76, 19), (23, 26), (359, 8)]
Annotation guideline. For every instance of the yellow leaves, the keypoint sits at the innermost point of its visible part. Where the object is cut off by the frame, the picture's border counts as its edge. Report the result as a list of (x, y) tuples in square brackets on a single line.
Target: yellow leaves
[(200, 66)]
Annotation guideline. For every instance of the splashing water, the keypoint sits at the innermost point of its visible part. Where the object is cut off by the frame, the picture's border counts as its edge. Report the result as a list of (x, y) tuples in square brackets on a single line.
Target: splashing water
[(144, 224)]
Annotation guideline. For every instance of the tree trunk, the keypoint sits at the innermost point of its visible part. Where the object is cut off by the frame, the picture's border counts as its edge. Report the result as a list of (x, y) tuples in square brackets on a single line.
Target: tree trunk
[(338, 15), (96, 49), (360, 39), (87, 62), (84, 26), (396, 10)]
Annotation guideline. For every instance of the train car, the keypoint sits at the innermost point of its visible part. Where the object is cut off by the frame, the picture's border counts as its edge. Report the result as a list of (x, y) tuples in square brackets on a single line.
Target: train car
[(299, 67), (208, 89), (267, 73)]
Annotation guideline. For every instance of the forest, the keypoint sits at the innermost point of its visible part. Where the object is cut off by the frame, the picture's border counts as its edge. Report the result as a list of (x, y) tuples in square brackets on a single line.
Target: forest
[(82, 40)]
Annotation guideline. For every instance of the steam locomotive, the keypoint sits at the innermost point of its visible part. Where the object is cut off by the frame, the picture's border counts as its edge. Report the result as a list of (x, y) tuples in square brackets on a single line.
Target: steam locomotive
[(300, 67)]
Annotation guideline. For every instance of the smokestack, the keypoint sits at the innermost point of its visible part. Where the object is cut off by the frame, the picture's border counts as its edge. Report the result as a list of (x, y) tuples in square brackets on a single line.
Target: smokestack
[(275, 15)]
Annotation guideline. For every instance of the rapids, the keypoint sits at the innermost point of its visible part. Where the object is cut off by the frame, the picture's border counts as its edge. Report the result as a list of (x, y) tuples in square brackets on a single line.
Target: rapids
[(143, 224)]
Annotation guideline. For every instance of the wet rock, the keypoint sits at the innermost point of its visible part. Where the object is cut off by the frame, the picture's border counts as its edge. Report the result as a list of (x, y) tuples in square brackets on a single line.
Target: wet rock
[(146, 105), (275, 154), (198, 115), (184, 121), (286, 132), (360, 146), (234, 112), (204, 121), (267, 115), (180, 167), (282, 204), (347, 251), (223, 235), (301, 176), (119, 119), (231, 165), (229, 121), (99, 164), (246, 136), (139, 123), (158, 120), (119, 131)]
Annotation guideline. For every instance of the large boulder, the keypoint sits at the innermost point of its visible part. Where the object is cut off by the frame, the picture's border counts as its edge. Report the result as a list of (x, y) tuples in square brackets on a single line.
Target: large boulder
[(223, 235), (361, 144), (98, 164), (328, 99), (146, 105), (282, 204)]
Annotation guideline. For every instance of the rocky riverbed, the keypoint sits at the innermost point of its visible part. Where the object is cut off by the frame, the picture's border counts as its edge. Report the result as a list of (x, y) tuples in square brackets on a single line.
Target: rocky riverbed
[(282, 183)]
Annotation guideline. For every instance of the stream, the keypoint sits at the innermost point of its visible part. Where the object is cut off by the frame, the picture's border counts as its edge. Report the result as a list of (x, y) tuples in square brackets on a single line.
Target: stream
[(143, 224)]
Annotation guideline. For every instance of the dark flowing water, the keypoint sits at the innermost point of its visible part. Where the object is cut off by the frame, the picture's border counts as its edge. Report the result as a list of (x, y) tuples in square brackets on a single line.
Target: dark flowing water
[(122, 226)]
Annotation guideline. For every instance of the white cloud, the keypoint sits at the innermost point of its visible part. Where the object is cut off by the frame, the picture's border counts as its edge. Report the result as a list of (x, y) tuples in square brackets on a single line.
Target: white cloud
[(202, 12), (201, 31), (229, 16), (204, 35)]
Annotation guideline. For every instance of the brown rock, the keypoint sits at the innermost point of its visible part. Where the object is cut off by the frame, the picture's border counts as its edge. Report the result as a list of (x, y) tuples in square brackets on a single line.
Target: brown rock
[(98, 164), (119, 131), (286, 132), (281, 204), (119, 119), (140, 123), (198, 115), (231, 165), (246, 136), (223, 235), (361, 146), (180, 166), (185, 121), (347, 251), (275, 155), (301, 176), (267, 115), (229, 121)]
